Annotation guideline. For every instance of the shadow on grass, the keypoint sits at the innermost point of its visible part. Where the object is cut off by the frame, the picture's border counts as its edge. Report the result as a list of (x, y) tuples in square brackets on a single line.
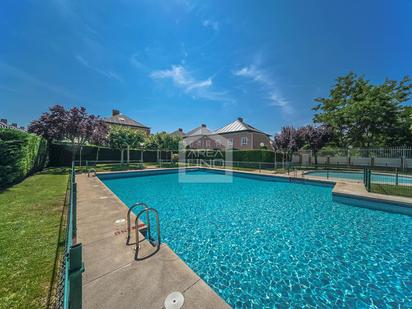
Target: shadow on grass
[(53, 300)]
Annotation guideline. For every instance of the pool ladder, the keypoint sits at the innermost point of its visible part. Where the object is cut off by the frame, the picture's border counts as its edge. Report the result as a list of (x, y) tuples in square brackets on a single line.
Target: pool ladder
[(147, 210)]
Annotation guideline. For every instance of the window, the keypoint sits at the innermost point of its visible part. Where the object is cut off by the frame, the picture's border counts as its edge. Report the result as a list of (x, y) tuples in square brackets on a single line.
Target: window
[(218, 142), (199, 143), (207, 143), (244, 141), (230, 142)]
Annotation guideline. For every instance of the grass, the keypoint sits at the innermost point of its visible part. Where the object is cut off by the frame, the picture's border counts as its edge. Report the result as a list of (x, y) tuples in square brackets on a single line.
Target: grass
[(392, 189), (30, 216)]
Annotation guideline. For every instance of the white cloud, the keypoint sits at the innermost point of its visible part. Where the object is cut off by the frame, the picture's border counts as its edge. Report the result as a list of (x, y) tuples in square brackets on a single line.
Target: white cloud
[(134, 59), (196, 88), (262, 77), (278, 100), (106, 73), (212, 24), (182, 78)]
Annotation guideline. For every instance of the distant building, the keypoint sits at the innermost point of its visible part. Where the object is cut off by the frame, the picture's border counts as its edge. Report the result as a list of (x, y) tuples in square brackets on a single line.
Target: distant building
[(4, 124), (244, 136), (125, 121), (237, 134), (199, 138), (178, 132)]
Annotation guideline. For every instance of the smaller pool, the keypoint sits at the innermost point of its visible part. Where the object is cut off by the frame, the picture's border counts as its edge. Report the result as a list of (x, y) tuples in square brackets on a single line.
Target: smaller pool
[(358, 176)]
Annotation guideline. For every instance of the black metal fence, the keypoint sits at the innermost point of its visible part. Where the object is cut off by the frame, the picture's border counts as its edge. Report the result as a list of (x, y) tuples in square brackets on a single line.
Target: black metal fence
[(67, 290), (392, 182)]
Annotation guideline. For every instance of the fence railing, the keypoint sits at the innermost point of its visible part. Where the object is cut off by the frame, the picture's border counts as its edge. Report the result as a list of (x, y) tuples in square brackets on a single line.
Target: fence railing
[(395, 182), (70, 283)]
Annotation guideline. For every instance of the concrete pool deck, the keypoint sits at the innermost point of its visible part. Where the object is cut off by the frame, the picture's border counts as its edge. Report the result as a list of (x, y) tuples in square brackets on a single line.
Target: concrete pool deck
[(112, 278)]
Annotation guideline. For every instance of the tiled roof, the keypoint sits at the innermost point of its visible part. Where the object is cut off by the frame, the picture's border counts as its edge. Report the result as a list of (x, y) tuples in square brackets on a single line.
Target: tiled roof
[(202, 130), (124, 120), (237, 126), (178, 132)]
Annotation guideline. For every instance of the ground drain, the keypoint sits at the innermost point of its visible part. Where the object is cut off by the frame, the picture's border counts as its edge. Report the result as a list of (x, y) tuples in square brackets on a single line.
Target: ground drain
[(174, 300)]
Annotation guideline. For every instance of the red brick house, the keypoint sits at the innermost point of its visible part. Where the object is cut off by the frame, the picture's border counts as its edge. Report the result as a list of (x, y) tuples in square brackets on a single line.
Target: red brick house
[(238, 135), (241, 135)]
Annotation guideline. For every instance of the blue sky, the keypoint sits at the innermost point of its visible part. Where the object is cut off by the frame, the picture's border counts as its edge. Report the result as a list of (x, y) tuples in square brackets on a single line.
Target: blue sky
[(171, 64)]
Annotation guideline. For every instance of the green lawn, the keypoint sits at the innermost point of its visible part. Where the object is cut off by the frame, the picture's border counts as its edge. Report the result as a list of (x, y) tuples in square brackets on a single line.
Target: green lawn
[(30, 217), (392, 189)]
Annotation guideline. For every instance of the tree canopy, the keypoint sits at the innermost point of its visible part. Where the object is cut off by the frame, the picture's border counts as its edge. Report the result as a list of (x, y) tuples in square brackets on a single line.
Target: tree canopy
[(362, 114), (122, 137), (163, 140), (74, 125)]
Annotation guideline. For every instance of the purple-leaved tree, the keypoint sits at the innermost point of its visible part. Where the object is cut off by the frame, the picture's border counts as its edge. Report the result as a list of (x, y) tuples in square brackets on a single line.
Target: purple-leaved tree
[(74, 125), (315, 137), (288, 141)]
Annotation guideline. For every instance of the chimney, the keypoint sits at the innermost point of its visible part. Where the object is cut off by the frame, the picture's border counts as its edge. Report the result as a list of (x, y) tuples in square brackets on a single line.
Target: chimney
[(14, 124), (115, 112), (4, 121), (180, 130), (203, 125), (240, 119)]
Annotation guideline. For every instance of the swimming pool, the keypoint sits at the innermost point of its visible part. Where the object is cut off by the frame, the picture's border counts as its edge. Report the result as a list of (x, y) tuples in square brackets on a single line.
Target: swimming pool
[(358, 176), (261, 243)]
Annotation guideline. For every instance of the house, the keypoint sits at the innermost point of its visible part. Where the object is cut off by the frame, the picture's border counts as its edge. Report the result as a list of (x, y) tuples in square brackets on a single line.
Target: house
[(241, 135), (4, 124), (179, 132), (237, 135), (125, 121), (199, 138)]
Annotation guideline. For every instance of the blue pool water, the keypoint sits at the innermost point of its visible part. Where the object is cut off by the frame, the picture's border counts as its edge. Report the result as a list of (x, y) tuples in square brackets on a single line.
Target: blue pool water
[(358, 176), (271, 243)]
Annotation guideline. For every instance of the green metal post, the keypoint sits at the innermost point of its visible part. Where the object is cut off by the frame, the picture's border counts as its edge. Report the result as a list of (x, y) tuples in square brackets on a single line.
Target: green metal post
[(76, 268), (369, 180), (74, 205), (397, 177)]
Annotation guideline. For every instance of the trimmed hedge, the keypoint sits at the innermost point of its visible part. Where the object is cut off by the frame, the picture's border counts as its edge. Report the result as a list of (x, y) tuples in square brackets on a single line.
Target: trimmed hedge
[(21, 154), (257, 155), (61, 154)]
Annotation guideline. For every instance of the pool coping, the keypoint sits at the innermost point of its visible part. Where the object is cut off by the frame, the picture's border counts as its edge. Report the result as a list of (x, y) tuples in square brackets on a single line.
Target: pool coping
[(341, 188)]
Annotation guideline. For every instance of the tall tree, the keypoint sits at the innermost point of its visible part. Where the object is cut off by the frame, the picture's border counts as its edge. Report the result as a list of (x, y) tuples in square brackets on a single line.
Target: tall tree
[(315, 137), (288, 141), (74, 125), (163, 140), (123, 138), (362, 114)]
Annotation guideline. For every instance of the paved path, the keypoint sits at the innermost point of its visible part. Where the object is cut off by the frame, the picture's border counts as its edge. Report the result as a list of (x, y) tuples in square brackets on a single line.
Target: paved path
[(112, 278)]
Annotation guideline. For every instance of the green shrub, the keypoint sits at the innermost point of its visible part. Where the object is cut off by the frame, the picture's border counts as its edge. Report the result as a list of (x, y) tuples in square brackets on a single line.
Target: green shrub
[(21, 154), (262, 155)]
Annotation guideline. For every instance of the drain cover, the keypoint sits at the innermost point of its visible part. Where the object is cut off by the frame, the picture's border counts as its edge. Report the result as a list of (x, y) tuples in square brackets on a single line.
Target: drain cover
[(174, 300)]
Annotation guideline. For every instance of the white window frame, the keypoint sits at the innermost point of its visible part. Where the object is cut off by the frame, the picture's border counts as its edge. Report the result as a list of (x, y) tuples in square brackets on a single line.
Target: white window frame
[(207, 143), (244, 140), (230, 141)]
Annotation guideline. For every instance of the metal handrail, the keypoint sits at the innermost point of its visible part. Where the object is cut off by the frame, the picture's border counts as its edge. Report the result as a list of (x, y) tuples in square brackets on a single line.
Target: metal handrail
[(136, 257), (128, 219)]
